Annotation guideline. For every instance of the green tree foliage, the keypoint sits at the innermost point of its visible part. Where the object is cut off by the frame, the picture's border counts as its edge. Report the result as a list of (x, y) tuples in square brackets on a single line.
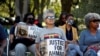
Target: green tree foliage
[(85, 6), (66, 5), (7, 8), (38, 6)]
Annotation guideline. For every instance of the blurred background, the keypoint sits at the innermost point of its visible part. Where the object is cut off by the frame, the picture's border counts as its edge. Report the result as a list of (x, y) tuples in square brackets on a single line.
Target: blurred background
[(9, 9)]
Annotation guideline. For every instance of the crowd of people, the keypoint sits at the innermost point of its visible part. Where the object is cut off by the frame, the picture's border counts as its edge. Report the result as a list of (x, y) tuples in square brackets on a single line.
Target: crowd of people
[(85, 43)]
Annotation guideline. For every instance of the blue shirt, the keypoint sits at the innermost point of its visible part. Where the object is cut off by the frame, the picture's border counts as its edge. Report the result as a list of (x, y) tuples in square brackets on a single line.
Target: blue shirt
[(12, 30), (2, 33), (86, 39)]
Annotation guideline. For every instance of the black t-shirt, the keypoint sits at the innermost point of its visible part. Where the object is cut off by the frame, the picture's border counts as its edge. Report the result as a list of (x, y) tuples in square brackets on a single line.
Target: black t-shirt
[(69, 34)]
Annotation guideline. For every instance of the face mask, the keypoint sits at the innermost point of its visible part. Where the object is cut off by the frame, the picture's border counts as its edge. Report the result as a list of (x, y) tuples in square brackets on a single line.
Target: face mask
[(70, 22), (30, 20)]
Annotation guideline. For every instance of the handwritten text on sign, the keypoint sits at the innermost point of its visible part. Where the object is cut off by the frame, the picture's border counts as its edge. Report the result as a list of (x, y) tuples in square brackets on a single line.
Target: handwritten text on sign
[(56, 47), (31, 32)]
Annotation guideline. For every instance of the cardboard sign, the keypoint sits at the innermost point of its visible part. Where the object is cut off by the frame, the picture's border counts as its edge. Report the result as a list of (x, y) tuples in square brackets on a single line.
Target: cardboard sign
[(52, 47)]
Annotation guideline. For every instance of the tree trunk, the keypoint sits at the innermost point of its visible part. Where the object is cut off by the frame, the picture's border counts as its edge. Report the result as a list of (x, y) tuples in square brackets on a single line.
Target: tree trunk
[(17, 6), (42, 5), (36, 6), (11, 10), (21, 8), (66, 5), (25, 7)]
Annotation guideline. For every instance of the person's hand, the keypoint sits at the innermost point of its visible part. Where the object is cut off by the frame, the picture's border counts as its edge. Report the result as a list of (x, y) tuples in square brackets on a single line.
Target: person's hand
[(38, 54), (30, 39), (74, 41), (93, 47)]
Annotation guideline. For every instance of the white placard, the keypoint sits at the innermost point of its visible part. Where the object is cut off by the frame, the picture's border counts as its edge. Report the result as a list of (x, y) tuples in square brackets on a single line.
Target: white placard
[(31, 32), (54, 47), (25, 31)]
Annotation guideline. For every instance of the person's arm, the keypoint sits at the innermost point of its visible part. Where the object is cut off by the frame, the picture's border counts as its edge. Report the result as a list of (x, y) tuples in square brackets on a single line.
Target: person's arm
[(3, 37), (66, 41), (11, 35), (37, 50), (3, 45), (63, 35), (37, 41), (82, 42)]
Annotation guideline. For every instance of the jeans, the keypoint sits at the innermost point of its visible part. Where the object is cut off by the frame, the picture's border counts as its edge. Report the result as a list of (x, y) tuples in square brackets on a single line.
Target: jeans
[(73, 50), (20, 49), (90, 52)]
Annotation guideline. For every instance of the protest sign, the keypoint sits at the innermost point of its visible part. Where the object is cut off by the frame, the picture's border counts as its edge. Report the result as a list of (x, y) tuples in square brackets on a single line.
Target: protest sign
[(53, 47)]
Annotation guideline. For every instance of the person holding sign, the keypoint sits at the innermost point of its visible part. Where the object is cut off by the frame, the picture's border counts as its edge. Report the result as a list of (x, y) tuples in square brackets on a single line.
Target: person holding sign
[(50, 32), (12, 33), (26, 33)]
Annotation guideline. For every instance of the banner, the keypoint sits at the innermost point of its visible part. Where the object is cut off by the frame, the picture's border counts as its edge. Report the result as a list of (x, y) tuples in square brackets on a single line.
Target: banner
[(52, 47)]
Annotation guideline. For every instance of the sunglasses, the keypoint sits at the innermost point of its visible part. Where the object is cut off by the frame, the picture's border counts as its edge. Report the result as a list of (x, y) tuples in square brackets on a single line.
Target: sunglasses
[(95, 20), (50, 17)]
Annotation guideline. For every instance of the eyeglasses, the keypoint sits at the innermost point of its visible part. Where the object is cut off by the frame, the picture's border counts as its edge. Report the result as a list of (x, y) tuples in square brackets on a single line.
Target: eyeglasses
[(95, 20), (50, 17)]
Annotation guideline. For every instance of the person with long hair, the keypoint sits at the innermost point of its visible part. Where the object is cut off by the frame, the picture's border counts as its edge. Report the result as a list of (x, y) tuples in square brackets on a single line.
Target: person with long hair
[(62, 19), (72, 36)]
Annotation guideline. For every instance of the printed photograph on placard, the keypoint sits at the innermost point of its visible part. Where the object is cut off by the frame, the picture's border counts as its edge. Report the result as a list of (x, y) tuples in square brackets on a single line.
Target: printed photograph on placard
[(21, 30), (43, 46), (52, 47)]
